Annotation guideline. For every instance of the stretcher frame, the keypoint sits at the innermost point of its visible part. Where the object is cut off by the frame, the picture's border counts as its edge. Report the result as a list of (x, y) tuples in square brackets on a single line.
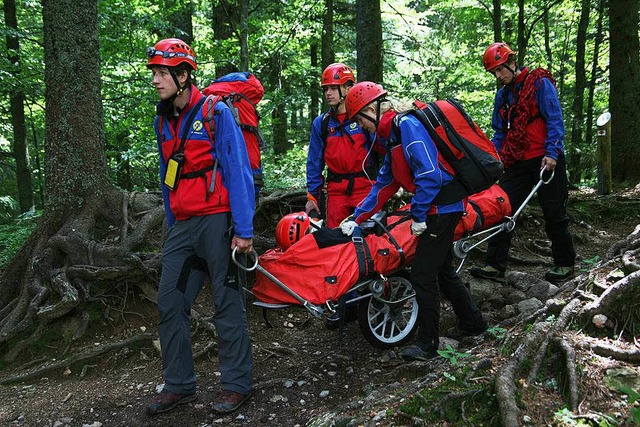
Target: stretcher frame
[(464, 245)]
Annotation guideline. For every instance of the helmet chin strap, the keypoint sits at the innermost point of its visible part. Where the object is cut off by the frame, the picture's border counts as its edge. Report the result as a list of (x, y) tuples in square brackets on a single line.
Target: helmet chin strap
[(375, 121), (177, 82), (513, 70)]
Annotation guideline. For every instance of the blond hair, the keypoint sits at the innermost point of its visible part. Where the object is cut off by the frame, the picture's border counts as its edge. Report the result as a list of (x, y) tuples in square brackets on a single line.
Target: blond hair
[(396, 105)]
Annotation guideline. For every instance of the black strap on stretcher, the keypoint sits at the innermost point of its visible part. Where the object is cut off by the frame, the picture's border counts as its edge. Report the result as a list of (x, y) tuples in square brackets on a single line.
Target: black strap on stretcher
[(363, 254)]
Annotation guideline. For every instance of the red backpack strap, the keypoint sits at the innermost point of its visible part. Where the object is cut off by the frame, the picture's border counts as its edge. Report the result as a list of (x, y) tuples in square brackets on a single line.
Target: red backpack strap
[(208, 113)]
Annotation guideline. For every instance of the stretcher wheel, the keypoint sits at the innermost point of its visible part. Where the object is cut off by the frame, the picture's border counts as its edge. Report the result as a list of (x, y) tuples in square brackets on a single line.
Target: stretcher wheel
[(389, 320)]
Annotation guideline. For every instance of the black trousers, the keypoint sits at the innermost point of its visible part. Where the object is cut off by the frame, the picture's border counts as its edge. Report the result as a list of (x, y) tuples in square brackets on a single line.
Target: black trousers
[(518, 181), (432, 273)]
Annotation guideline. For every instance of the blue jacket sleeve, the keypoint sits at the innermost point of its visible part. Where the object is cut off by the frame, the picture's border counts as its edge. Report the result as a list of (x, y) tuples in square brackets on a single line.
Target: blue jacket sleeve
[(384, 187), (422, 157), (315, 159), (551, 112), (231, 152), (496, 122)]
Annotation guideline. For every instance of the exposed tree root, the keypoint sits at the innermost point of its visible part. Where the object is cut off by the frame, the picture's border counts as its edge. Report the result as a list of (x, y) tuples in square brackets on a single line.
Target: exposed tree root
[(531, 346), (570, 366), (87, 354), (620, 292), (632, 241), (66, 257), (601, 348), (630, 260)]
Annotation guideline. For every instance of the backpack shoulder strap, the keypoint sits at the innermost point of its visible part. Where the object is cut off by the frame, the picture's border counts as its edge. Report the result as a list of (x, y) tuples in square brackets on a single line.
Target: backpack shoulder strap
[(324, 128), (394, 135), (208, 114)]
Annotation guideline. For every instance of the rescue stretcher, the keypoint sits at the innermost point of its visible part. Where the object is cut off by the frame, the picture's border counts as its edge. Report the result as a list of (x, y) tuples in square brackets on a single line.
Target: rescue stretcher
[(387, 309)]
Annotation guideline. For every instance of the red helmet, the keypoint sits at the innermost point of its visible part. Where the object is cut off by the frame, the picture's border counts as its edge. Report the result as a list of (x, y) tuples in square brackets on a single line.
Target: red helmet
[(337, 74), (171, 52), (361, 95), (291, 228), (496, 54)]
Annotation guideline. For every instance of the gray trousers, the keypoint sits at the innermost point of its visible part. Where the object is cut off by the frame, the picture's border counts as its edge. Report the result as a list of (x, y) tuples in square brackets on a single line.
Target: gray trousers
[(194, 248)]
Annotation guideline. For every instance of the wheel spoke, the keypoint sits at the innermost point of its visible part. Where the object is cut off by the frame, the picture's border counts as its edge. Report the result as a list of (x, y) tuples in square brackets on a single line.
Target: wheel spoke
[(382, 324), (375, 316)]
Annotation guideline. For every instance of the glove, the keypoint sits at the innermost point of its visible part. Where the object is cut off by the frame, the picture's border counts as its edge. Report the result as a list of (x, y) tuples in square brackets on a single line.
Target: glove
[(348, 226), (417, 228)]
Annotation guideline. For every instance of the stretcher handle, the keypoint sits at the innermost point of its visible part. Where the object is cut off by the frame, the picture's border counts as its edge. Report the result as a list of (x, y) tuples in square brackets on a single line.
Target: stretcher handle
[(253, 254), (544, 168), (462, 246)]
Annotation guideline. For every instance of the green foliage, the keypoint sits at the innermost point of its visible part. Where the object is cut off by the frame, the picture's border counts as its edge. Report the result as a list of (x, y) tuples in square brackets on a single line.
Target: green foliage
[(590, 263), (12, 237), (452, 355), (8, 208), (286, 171), (565, 418), (632, 397), (497, 332), (433, 406), (432, 50)]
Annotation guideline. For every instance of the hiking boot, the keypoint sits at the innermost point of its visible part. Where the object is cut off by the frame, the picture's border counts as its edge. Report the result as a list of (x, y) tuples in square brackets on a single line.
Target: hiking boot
[(166, 401), (559, 274), (486, 272), (334, 320), (229, 401), (415, 352)]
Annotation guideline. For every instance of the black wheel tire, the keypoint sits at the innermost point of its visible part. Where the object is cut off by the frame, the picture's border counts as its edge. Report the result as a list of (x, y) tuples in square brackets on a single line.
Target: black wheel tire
[(384, 325)]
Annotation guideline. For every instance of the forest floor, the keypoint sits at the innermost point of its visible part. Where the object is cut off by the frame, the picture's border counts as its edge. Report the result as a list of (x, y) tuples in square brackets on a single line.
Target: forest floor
[(304, 373)]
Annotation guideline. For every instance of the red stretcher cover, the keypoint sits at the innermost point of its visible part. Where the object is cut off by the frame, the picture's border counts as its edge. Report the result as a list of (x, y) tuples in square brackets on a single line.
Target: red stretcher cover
[(325, 265)]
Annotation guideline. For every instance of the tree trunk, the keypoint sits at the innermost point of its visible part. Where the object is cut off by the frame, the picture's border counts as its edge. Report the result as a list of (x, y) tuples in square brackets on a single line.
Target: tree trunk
[(327, 51), (625, 90), (73, 105), (279, 113), (577, 109), (225, 20), (547, 41), (522, 38), (594, 74), (369, 40), (496, 19), (244, 35), (314, 94), (180, 12), (20, 150)]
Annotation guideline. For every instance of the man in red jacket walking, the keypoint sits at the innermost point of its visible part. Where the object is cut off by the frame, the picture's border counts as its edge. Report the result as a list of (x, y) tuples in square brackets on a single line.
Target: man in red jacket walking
[(528, 133), (209, 202)]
